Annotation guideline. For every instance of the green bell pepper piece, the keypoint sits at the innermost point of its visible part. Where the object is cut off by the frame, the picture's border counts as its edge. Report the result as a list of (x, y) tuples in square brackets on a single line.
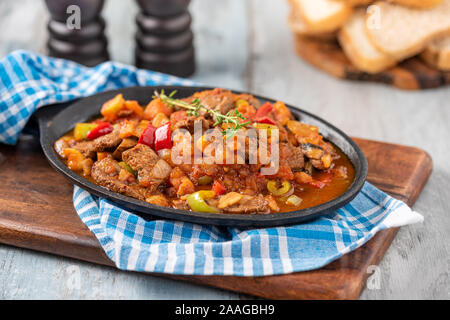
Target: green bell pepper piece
[(197, 201), (82, 129), (127, 167)]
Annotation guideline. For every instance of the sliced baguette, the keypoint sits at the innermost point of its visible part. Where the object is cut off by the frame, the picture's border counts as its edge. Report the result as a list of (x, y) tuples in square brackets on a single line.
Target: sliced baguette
[(299, 27), (355, 3), (404, 32), (437, 54), (322, 15), (359, 50), (419, 3)]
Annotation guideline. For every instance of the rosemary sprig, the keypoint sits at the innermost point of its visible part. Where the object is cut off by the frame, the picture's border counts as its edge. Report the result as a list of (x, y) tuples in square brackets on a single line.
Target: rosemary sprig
[(233, 116)]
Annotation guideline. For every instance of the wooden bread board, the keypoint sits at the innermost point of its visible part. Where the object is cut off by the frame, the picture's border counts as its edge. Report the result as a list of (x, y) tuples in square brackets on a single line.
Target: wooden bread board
[(412, 74), (36, 212)]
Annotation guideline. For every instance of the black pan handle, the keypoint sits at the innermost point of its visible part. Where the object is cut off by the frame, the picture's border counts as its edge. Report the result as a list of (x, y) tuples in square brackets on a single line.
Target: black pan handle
[(43, 116)]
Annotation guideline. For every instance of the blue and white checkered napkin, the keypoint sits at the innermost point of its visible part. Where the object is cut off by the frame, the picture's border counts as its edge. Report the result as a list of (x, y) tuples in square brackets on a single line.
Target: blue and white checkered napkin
[(28, 81)]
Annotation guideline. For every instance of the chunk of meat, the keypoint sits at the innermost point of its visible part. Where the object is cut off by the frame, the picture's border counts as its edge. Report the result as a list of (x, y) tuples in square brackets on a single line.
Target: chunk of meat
[(108, 141), (296, 160), (249, 204), (220, 100), (142, 159), (312, 151), (60, 145), (318, 156), (106, 173), (292, 155), (189, 123), (126, 144)]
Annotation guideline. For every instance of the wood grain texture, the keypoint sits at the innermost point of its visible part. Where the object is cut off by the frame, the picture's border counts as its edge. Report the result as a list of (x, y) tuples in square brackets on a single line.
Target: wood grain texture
[(36, 213), (412, 74)]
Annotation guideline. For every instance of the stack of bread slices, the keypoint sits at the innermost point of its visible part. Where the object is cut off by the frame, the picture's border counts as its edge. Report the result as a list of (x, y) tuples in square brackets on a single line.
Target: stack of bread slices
[(377, 35)]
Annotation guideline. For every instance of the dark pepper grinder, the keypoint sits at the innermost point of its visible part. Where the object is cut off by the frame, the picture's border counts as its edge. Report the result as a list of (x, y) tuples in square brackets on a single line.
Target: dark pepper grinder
[(164, 40), (77, 31)]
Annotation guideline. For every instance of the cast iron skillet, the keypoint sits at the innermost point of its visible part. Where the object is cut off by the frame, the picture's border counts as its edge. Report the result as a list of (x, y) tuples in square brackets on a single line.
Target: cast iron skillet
[(53, 127)]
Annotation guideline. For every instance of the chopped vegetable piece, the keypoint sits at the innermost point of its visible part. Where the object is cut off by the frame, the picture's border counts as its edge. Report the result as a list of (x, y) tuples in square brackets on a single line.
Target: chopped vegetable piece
[(125, 166), (135, 107), (141, 127), (304, 133), (111, 108), (281, 112), (74, 159), (241, 102), (326, 160), (159, 200), (247, 110), (265, 126), (102, 155), (197, 201), (294, 200), (100, 130), (87, 165), (229, 199), (302, 177), (127, 128), (126, 176), (82, 129), (218, 188), (273, 188), (159, 120), (205, 180), (265, 120), (325, 179), (154, 107), (264, 110), (148, 136), (163, 138), (272, 203)]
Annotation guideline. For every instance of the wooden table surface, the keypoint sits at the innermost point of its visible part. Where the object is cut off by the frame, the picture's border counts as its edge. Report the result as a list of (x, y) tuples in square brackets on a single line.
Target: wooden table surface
[(245, 44)]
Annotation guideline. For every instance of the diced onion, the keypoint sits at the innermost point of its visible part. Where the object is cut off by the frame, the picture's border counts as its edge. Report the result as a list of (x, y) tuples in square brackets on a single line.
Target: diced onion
[(293, 200)]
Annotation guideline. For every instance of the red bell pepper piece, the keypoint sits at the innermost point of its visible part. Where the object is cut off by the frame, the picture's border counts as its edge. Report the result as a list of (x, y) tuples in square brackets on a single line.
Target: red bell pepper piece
[(264, 110), (148, 136), (100, 130), (218, 188), (265, 120), (319, 184), (163, 139)]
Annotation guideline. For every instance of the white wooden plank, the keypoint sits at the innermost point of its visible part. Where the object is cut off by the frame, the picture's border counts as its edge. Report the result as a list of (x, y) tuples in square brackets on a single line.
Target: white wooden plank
[(220, 30)]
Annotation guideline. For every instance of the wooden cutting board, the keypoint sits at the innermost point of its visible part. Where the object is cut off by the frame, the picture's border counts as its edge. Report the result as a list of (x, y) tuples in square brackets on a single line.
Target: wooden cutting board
[(412, 74), (36, 212)]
